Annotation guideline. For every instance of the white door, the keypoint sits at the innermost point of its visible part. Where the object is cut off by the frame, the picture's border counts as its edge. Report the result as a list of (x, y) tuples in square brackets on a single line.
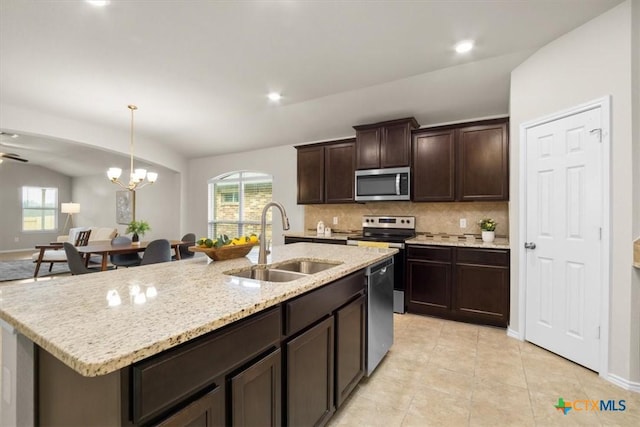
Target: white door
[(563, 232)]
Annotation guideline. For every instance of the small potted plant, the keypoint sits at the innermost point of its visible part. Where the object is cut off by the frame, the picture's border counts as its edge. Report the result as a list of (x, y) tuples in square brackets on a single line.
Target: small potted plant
[(138, 228), (488, 227)]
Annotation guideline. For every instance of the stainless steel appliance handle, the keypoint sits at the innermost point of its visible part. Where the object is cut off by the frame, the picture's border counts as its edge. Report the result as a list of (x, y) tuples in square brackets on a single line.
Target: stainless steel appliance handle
[(397, 184)]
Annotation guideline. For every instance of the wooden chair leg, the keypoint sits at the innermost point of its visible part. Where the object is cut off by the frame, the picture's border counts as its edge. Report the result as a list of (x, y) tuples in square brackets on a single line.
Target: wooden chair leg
[(35, 273), (50, 267)]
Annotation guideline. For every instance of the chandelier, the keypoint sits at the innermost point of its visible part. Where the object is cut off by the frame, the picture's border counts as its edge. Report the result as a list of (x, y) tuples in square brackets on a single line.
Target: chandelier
[(137, 176)]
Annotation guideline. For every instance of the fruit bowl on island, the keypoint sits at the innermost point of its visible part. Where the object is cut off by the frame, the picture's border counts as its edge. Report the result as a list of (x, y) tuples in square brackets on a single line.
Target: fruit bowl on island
[(226, 251)]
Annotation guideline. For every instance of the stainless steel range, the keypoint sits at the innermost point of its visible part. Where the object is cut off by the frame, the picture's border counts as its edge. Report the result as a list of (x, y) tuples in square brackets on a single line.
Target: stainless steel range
[(392, 231)]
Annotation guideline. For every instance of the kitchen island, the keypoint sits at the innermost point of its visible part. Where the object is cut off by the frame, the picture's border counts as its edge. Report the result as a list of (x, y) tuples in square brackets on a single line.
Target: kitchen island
[(105, 332)]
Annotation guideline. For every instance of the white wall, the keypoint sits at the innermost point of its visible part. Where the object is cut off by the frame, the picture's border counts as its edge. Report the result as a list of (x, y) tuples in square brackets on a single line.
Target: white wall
[(590, 62), (157, 204), (280, 162)]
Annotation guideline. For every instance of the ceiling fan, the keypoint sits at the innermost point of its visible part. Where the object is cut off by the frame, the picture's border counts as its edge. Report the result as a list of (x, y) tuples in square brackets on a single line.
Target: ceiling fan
[(12, 156)]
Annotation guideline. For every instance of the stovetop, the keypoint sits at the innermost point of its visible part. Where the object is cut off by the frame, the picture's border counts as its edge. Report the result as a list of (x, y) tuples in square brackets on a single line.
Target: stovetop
[(386, 228)]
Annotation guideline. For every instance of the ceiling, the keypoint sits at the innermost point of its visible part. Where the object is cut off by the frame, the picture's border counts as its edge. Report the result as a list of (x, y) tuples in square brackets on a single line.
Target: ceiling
[(199, 71)]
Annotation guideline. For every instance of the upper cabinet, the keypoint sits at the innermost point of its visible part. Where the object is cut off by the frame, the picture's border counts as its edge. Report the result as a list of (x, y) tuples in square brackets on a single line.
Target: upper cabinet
[(385, 144), (462, 162), (326, 172), (483, 162)]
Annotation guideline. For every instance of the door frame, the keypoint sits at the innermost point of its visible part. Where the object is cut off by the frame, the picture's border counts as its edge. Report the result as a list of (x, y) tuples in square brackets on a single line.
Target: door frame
[(604, 104)]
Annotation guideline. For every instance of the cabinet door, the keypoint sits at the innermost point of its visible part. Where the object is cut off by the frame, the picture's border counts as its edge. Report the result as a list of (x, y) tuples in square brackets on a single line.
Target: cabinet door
[(368, 148), (350, 348), (483, 168), (208, 411), (481, 292), (395, 148), (433, 169), (340, 164), (430, 280), (310, 373), (311, 175), (255, 393)]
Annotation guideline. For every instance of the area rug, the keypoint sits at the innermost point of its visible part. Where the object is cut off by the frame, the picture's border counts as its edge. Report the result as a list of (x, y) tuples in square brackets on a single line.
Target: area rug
[(23, 269)]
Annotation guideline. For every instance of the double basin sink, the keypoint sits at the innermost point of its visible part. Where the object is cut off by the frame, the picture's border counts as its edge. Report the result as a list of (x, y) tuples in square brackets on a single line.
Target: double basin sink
[(284, 272)]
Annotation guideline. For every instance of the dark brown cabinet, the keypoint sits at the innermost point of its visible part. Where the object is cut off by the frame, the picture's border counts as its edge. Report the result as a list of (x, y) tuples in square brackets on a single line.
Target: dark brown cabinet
[(310, 376), (483, 162), (429, 276), (256, 395), (433, 167), (384, 144), (468, 284), (350, 348), (482, 285), (326, 172), (208, 411), (310, 174), (461, 162)]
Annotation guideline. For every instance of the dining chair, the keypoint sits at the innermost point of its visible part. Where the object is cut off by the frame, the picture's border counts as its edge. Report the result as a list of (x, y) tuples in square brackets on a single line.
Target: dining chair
[(190, 239), (124, 260), (76, 261), (157, 251)]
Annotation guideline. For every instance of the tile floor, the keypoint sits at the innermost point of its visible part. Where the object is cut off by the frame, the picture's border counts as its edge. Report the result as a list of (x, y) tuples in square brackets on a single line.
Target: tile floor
[(445, 373)]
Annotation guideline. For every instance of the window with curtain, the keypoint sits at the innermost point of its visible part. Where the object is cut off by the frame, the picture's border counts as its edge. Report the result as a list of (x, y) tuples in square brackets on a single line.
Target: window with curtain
[(39, 209), (236, 200)]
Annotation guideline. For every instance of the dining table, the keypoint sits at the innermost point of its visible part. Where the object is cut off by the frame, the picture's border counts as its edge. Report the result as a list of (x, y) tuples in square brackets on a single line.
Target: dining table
[(106, 249)]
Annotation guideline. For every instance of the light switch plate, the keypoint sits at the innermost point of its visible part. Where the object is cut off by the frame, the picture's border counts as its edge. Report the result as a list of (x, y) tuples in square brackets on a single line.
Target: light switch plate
[(335, 220), (463, 222)]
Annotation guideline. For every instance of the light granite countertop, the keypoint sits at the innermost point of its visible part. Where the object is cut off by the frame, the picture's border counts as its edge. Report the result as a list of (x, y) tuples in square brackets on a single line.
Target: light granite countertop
[(459, 241), (72, 317)]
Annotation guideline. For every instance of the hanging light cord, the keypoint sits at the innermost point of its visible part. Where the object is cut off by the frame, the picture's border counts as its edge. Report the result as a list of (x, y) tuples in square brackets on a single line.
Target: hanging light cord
[(132, 108)]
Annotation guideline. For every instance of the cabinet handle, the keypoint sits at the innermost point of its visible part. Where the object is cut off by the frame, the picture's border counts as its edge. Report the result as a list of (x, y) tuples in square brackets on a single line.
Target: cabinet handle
[(529, 245), (397, 184)]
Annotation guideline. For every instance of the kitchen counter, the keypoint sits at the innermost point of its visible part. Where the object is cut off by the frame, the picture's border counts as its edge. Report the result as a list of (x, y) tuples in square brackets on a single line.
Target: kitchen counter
[(72, 319), (335, 235), (459, 241)]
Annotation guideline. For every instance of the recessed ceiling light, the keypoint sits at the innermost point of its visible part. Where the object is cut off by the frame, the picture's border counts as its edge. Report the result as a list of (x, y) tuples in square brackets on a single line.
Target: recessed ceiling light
[(98, 2), (464, 46), (274, 96)]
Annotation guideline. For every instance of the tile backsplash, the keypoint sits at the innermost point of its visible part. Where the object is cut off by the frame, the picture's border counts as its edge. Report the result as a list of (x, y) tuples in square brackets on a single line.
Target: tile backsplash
[(430, 217)]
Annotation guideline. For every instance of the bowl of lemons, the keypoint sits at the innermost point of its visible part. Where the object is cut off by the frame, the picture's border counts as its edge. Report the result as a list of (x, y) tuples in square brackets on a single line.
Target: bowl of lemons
[(224, 248)]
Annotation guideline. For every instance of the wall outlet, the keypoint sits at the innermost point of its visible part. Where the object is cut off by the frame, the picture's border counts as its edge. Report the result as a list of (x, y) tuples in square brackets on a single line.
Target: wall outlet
[(335, 220), (16, 239), (463, 222)]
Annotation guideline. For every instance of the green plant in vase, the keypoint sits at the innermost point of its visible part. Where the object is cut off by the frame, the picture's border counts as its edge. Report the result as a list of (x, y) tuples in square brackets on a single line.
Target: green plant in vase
[(138, 228), (488, 227)]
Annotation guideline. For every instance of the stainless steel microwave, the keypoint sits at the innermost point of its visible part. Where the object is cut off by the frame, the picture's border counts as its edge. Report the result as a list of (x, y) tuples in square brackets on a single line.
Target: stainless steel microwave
[(383, 184)]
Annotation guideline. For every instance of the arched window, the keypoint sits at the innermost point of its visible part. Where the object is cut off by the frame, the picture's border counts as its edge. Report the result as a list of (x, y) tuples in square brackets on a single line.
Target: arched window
[(236, 200)]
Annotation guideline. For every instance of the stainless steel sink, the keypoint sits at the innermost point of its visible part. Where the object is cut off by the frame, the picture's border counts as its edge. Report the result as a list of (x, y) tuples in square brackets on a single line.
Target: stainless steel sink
[(306, 267), (285, 272), (268, 274)]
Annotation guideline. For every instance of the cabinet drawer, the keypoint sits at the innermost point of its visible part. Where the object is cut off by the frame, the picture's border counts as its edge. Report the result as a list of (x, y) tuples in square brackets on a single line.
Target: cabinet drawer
[(310, 307), (430, 253), (497, 257), (168, 379)]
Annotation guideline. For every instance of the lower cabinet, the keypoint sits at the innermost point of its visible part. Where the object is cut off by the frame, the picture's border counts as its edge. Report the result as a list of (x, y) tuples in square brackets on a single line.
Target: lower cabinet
[(350, 348), (310, 371), (207, 411), (256, 396), (292, 364), (468, 284)]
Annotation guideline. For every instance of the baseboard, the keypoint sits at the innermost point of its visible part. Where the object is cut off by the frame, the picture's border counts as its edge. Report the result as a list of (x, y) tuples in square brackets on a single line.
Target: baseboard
[(514, 334), (624, 383)]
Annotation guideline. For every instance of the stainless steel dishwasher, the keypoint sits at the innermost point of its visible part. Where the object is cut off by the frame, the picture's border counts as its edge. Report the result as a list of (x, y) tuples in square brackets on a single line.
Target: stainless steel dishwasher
[(380, 312)]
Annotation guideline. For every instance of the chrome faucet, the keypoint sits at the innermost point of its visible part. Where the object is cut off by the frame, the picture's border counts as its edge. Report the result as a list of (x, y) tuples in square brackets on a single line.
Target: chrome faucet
[(262, 255)]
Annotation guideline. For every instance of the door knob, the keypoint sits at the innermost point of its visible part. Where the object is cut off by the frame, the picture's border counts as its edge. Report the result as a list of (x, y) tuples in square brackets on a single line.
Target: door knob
[(529, 245)]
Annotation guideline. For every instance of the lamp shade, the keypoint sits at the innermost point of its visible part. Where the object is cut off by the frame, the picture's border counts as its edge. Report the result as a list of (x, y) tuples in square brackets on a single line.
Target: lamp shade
[(70, 208)]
